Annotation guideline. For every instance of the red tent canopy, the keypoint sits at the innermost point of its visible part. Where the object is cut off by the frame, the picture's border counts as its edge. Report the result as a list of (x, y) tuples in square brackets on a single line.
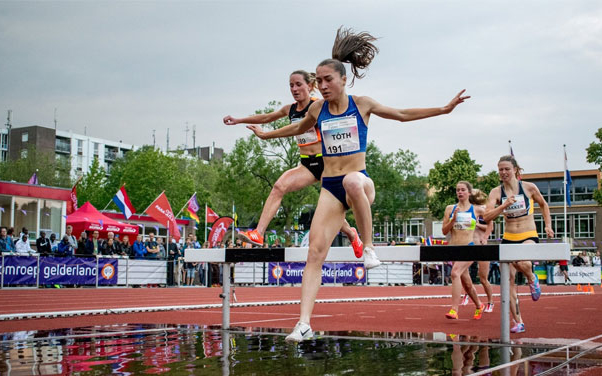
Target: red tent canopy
[(88, 218)]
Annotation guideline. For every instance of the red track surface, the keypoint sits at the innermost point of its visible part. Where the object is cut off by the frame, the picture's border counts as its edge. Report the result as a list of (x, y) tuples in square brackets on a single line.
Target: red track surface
[(552, 317)]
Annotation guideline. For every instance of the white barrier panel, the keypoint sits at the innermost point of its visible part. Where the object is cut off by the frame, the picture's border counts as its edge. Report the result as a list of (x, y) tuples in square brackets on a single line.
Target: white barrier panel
[(416, 253), (391, 273), (579, 274), (249, 272), (142, 272)]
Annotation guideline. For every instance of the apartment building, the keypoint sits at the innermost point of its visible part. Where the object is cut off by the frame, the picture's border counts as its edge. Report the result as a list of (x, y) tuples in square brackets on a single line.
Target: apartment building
[(79, 149)]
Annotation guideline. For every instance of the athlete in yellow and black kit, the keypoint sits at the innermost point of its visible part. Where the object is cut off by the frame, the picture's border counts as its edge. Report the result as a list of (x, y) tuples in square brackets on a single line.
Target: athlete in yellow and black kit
[(514, 200)]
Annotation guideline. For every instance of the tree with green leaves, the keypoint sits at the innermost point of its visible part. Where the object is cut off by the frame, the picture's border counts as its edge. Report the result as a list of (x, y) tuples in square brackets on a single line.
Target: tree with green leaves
[(443, 178), (147, 172), (92, 186), (51, 170), (594, 155), (400, 191)]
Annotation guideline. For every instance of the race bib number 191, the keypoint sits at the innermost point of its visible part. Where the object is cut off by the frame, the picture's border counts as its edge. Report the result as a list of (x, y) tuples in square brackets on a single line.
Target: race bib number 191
[(340, 135)]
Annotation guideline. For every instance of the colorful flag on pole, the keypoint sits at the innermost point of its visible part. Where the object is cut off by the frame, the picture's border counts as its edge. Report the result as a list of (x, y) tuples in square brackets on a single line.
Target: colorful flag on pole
[(569, 181), (160, 210), (33, 179), (122, 201), (211, 215), (193, 207)]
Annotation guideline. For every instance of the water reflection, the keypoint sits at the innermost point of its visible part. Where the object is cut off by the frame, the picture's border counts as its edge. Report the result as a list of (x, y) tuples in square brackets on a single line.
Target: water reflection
[(155, 349)]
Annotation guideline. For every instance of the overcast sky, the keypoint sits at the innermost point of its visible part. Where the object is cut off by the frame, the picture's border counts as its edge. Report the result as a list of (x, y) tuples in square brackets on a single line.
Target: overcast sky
[(123, 69)]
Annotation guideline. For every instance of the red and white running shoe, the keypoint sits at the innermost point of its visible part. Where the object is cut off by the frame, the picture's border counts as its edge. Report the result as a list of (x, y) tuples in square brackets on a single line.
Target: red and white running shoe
[(252, 236), (357, 245)]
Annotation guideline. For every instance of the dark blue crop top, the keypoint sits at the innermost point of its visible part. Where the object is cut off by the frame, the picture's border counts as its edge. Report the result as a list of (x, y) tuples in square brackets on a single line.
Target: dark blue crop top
[(342, 134)]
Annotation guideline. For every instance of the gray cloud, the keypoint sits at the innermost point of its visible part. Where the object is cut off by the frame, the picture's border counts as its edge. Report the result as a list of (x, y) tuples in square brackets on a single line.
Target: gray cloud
[(122, 69)]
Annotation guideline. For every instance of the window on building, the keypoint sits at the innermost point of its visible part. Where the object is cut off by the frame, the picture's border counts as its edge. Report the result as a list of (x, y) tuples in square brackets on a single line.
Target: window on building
[(80, 147), (96, 148), (24, 136), (414, 227), (4, 141), (583, 189), (544, 188), (50, 217), (378, 230), (557, 226), (26, 215), (63, 145), (6, 210), (556, 192), (585, 225)]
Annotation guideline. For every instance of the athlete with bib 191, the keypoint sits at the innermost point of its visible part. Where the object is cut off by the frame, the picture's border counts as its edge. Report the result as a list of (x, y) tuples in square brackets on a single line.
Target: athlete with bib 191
[(309, 170), (514, 200), (342, 120)]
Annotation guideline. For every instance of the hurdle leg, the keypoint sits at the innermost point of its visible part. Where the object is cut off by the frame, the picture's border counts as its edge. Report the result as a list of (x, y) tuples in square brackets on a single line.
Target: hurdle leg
[(225, 295), (505, 300)]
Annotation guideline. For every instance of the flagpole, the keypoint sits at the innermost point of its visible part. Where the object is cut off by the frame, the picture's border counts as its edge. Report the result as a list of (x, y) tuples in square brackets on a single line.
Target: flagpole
[(186, 204), (205, 222), (564, 184), (233, 223)]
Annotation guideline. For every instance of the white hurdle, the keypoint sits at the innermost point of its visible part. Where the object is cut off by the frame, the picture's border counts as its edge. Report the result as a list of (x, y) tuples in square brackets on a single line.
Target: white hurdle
[(504, 253)]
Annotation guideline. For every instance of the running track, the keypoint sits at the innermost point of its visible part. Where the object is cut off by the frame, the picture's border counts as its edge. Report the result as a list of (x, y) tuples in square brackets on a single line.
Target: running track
[(553, 319)]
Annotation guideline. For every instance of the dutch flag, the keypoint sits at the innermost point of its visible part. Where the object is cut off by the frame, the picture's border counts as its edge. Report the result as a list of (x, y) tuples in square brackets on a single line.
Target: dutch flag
[(122, 201)]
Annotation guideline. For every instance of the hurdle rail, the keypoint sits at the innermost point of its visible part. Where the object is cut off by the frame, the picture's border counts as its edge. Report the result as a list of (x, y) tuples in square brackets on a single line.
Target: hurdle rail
[(503, 253)]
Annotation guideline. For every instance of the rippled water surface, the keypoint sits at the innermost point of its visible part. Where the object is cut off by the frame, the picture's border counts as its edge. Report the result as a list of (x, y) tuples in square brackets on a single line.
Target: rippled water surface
[(182, 350)]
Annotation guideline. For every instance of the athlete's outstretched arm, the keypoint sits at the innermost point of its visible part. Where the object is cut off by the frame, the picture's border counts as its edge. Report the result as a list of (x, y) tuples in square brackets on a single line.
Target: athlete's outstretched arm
[(259, 118), (292, 129), (412, 113)]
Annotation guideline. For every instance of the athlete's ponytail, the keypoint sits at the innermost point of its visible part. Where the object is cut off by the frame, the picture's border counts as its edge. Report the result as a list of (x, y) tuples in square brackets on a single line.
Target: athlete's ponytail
[(355, 49), (477, 197)]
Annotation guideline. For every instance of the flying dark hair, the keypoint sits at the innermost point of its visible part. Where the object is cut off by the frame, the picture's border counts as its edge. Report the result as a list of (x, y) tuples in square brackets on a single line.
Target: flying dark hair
[(356, 49)]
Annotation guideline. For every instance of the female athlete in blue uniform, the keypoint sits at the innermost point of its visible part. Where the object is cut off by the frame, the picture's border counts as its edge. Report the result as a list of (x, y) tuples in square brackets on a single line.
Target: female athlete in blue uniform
[(309, 170), (460, 221), (342, 120)]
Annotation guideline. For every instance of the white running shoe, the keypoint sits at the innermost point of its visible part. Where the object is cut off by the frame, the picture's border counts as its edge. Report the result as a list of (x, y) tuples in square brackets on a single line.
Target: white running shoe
[(464, 300), (301, 333), (370, 258)]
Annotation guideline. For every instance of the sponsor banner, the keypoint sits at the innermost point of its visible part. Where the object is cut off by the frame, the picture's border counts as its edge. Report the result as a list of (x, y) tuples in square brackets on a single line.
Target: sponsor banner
[(59, 270), (292, 272), (578, 274), (218, 230), (20, 270)]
